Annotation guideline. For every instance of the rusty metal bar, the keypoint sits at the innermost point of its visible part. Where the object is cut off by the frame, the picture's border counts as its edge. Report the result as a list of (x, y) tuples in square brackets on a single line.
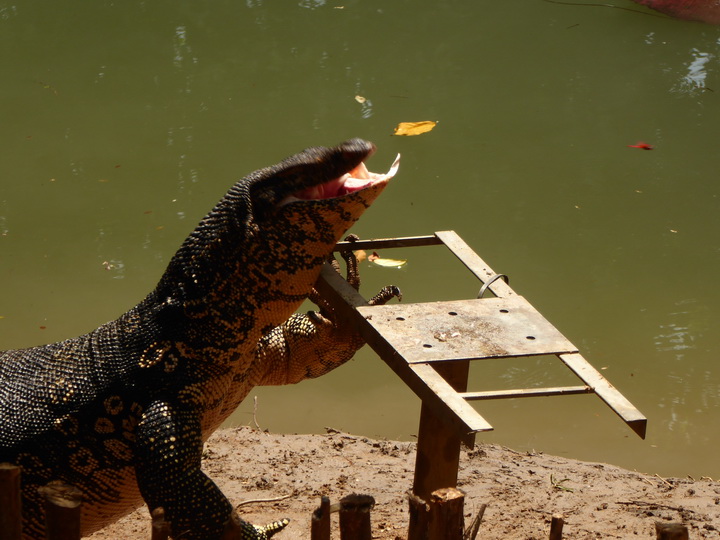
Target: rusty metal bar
[(473, 262), (422, 379), (527, 392), (466, 329), (607, 392), (472, 422), (386, 243)]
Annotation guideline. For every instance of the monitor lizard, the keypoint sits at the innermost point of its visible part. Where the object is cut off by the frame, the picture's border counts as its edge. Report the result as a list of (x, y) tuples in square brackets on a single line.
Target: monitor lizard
[(122, 412)]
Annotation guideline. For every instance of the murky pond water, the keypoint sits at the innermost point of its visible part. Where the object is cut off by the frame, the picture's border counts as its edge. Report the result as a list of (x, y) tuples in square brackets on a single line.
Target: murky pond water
[(124, 122)]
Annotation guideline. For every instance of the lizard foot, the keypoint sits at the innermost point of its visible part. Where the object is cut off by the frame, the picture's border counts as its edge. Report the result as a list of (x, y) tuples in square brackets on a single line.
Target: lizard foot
[(238, 529), (266, 531)]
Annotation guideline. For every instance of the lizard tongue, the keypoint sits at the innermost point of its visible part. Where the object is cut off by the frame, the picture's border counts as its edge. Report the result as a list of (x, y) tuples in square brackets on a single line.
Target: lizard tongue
[(357, 179)]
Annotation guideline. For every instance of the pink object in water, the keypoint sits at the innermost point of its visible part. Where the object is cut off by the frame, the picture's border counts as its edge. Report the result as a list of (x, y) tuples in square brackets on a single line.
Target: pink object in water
[(692, 10)]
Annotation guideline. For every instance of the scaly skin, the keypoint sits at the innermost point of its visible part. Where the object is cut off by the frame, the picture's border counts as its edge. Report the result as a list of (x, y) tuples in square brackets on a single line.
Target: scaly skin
[(122, 412), (308, 346)]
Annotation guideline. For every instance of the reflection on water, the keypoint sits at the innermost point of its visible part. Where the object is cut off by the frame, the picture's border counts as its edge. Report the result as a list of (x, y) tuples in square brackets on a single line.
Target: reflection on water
[(695, 388), (679, 334), (697, 74)]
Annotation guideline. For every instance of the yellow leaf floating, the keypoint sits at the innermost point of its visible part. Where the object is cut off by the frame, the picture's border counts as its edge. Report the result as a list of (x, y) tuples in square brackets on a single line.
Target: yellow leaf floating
[(387, 263), (414, 128)]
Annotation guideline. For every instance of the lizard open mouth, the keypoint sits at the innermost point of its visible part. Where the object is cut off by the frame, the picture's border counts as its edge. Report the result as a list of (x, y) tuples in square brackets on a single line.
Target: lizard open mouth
[(355, 180)]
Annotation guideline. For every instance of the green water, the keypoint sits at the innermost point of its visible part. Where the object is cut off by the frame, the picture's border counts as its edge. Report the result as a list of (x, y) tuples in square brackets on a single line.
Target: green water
[(122, 123)]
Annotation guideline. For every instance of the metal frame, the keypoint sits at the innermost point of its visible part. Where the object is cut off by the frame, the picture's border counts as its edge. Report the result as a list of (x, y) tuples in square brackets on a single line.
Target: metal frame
[(430, 347)]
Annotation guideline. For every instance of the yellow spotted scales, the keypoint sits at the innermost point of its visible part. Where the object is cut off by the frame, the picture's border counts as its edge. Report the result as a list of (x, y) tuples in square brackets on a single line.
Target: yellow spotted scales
[(122, 412)]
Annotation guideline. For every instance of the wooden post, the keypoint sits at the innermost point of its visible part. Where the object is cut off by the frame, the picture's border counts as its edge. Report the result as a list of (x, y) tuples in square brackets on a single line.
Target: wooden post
[(556, 527), (355, 517), (62, 511), (160, 527), (438, 452), (671, 531), (438, 447), (10, 502), (419, 516), (320, 523), (446, 514)]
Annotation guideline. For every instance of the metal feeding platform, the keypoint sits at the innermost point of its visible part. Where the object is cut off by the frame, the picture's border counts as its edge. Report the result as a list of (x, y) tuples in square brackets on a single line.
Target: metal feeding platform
[(430, 347)]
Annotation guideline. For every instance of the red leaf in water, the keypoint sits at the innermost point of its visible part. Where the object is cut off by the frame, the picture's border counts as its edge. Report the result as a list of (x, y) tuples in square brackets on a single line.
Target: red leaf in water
[(641, 145)]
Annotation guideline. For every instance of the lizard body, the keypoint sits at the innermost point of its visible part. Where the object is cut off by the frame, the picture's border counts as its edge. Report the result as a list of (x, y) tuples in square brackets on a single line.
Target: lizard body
[(122, 412)]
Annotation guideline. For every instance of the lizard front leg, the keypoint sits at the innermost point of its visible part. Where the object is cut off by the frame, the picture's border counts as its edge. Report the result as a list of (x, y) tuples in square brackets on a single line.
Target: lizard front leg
[(168, 449), (310, 345)]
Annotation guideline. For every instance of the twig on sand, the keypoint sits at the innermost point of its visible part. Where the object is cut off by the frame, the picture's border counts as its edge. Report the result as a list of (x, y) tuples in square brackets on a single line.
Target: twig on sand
[(271, 499), (472, 531), (255, 407)]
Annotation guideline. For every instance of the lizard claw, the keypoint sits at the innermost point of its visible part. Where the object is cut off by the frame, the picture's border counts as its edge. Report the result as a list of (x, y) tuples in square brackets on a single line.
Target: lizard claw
[(385, 294)]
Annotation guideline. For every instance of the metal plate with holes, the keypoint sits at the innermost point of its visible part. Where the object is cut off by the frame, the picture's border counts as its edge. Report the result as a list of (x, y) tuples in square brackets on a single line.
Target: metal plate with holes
[(466, 329)]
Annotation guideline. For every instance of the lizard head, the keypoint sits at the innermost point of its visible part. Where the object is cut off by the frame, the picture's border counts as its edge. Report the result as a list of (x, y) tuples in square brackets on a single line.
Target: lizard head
[(305, 206), (319, 174), (261, 248)]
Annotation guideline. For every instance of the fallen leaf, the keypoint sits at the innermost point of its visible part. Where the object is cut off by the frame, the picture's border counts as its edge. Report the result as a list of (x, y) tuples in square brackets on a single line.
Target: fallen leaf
[(360, 99), (414, 128), (387, 263)]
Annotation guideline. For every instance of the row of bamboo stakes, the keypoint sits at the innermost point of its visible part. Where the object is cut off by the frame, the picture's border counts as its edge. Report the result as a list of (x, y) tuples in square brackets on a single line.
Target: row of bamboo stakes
[(440, 518)]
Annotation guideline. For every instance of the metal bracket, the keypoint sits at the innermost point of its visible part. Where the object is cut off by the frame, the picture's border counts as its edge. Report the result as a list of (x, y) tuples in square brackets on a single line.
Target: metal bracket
[(429, 346)]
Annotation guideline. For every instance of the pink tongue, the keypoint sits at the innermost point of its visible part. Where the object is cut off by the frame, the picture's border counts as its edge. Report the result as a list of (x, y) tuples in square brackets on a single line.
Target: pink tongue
[(355, 184), (335, 188), (323, 191), (357, 179)]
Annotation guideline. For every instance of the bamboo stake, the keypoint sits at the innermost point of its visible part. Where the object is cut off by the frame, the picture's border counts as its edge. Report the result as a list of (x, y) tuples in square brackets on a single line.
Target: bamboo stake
[(419, 515), (320, 523), (10, 502), (446, 514), (62, 511), (160, 527), (671, 531), (355, 517), (556, 527)]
